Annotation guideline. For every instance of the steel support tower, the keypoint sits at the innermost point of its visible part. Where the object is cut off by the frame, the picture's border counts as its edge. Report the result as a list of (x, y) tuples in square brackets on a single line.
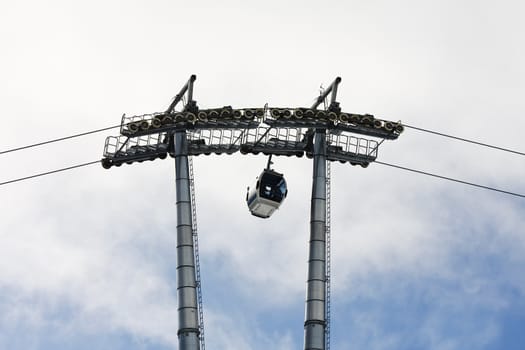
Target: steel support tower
[(315, 308), (188, 332), (272, 131), (315, 318)]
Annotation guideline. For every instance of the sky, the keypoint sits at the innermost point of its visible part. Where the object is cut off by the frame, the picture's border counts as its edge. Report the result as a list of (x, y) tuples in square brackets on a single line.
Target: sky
[(87, 257)]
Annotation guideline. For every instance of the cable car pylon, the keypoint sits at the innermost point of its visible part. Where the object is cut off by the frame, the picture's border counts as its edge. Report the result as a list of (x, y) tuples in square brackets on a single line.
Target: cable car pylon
[(278, 131), (188, 331)]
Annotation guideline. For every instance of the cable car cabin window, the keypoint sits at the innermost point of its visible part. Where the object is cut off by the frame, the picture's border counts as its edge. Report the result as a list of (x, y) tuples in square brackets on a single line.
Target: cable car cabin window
[(273, 187)]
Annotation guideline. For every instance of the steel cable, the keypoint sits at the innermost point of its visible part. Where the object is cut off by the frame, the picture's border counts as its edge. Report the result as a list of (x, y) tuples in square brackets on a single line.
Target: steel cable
[(451, 179), (464, 139), (49, 172)]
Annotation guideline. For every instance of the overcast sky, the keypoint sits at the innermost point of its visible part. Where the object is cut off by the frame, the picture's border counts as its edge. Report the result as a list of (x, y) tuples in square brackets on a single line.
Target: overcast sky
[(87, 257)]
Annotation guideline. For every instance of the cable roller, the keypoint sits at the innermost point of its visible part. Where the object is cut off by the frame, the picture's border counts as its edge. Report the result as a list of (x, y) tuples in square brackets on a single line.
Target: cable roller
[(156, 122), (202, 116)]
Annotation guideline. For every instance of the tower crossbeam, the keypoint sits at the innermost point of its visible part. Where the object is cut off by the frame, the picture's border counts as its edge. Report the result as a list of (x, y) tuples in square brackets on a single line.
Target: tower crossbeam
[(252, 118), (264, 139)]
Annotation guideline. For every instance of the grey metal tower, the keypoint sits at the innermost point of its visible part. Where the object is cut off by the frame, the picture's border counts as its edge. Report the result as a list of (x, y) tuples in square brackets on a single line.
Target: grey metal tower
[(315, 318), (188, 332), (274, 131), (315, 308)]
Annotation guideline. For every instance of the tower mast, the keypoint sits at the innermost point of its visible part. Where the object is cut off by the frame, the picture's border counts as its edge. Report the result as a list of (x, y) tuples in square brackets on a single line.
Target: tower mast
[(188, 332), (315, 306)]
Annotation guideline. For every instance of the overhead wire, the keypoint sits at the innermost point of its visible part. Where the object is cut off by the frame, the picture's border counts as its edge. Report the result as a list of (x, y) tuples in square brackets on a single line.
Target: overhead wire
[(464, 139), (442, 177), (378, 162), (405, 125), (59, 139), (451, 179), (49, 172)]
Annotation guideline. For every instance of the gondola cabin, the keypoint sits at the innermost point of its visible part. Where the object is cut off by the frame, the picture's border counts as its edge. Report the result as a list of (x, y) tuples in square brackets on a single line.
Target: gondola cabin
[(269, 192)]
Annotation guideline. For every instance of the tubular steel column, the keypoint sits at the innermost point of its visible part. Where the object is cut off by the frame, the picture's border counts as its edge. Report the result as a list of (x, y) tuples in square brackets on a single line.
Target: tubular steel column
[(188, 332), (315, 323)]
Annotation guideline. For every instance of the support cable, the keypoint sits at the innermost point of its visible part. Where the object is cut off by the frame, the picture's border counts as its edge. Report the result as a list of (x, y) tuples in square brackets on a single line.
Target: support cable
[(49, 172), (442, 177), (59, 139), (464, 140), (405, 125), (452, 179)]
